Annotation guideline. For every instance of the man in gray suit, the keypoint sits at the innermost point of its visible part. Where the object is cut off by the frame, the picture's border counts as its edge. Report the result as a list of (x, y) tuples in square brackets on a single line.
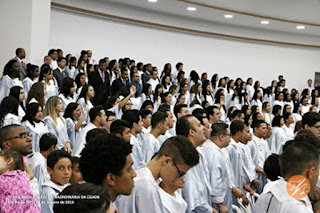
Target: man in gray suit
[(21, 54), (60, 72)]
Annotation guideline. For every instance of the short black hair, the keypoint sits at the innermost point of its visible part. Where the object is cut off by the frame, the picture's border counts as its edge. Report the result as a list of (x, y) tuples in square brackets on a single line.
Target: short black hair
[(181, 150), (272, 167), (286, 116), (236, 113), (307, 136), (310, 119), (85, 197), (74, 160), (237, 126), (55, 156), (94, 112), (47, 140), (61, 59), (107, 153), (276, 121), (219, 128), (110, 113), (93, 133), (158, 117), (118, 126), (5, 133), (177, 109), (51, 51), (131, 116), (210, 110), (257, 123), (297, 157), (144, 113), (183, 125)]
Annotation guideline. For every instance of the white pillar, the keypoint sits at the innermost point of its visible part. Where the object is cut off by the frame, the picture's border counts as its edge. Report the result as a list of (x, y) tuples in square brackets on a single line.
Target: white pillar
[(26, 24)]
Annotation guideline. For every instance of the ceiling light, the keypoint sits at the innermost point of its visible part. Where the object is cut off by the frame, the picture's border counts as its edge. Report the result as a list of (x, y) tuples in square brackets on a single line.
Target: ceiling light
[(191, 8), (228, 16), (265, 22), (300, 27), (152, 0)]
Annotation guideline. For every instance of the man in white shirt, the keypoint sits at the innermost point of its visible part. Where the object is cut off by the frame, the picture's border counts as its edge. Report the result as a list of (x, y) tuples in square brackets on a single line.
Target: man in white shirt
[(38, 162), (258, 150), (159, 124), (91, 60), (121, 129), (179, 67), (311, 121), (165, 108), (54, 56), (179, 111), (213, 114), (175, 157), (97, 120), (134, 119), (146, 116), (153, 81), (107, 161), (221, 192), (197, 190), (299, 165)]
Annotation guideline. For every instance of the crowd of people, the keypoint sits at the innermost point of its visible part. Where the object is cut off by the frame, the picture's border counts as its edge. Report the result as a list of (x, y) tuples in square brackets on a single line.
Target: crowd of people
[(80, 135)]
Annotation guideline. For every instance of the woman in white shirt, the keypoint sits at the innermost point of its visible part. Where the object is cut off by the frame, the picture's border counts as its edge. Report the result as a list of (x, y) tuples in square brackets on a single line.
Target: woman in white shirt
[(157, 96), (257, 99), (56, 123), (206, 93), (18, 93), (305, 105), (34, 125), (37, 94), (278, 135), (71, 68), (81, 69), (279, 99), (84, 100), (146, 93), (196, 93), (9, 78), (267, 117), (32, 77), (288, 100), (80, 82), (74, 117), (220, 102), (297, 113), (166, 82), (46, 77), (9, 112), (184, 90), (67, 90)]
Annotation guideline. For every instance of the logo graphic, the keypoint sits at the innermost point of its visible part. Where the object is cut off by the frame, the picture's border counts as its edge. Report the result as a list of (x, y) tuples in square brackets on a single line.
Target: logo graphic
[(298, 186)]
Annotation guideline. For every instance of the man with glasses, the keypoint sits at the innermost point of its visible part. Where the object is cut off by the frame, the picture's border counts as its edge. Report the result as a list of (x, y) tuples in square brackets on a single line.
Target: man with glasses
[(221, 189), (197, 191), (311, 121), (17, 138), (175, 157)]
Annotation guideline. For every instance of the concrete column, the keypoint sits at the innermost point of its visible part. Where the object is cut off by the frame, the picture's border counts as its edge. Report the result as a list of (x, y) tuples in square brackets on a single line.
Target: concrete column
[(26, 24)]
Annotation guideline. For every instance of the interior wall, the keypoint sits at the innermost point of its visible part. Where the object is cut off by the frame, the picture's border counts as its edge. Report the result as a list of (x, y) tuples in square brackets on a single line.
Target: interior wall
[(73, 32)]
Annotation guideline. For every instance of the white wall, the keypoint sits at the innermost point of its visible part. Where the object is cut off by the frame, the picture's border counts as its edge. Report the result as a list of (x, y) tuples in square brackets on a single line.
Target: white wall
[(73, 32)]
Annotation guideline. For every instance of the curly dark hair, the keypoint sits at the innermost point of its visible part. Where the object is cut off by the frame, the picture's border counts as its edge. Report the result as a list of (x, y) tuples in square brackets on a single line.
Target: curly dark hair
[(106, 154)]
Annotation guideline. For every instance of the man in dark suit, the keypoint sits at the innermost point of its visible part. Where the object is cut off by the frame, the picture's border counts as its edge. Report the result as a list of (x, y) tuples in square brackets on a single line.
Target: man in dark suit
[(21, 54), (122, 81), (60, 72), (99, 80)]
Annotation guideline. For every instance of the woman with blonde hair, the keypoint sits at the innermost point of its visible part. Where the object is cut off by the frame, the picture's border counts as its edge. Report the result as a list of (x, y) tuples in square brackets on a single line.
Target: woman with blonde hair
[(56, 123)]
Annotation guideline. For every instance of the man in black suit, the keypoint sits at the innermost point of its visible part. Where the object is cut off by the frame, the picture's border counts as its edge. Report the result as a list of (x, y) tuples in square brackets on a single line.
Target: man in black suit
[(60, 73), (20, 55), (122, 81), (99, 80)]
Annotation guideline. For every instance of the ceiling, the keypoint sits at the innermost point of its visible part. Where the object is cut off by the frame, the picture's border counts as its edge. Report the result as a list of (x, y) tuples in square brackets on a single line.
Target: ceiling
[(284, 15)]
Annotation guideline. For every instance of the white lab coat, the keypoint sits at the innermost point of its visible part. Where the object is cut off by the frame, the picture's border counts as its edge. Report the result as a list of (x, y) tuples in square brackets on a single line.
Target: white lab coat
[(172, 203), (81, 140), (38, 165), (137, 154), (36, 131), (48, 193), (150, 146), (60, 130)]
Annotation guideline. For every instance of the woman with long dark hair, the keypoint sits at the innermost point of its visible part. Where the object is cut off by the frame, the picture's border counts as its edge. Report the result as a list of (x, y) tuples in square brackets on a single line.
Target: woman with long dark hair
[(33, 73), (33, 123), (9, 112), (18, 93), (67, 91), (46, 77), (85, 98)]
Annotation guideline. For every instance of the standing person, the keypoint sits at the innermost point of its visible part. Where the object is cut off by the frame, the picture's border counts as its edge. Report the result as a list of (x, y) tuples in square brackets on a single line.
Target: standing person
[(67, 91), (98, 118), (33, 73), (197, 190), (60, 73), (99, 80), (276, 197), (56, 123), (219, 181), (84, 100), (74, 116), (175, 157), (33, 123), (112, 162), (20, 55), (46, 77), (10, 78)]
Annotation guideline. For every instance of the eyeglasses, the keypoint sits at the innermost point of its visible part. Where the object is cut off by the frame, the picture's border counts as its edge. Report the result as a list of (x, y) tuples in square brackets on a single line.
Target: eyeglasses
[(180, 173), (22, 135)]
